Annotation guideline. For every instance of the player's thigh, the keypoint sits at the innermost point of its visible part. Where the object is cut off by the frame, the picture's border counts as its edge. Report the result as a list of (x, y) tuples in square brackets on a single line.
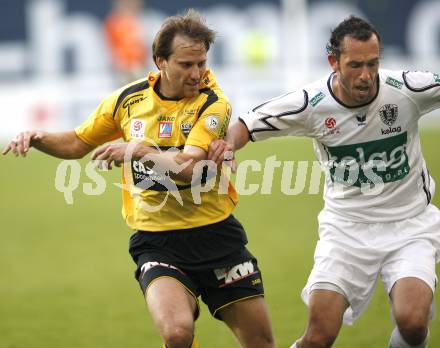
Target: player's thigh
[(170, 303), (344, 259), (234, 293), (411, 300), (326, 311), (237, 281), (249, 320), (408, 273), (171, 296)]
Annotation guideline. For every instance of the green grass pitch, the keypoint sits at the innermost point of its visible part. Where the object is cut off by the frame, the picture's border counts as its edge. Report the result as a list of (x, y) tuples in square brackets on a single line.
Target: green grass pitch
[(66, 279)]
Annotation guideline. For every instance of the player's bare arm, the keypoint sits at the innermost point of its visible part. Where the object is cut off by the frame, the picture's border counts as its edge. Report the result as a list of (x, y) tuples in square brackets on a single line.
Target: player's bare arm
[(236, 138), (64, 145)]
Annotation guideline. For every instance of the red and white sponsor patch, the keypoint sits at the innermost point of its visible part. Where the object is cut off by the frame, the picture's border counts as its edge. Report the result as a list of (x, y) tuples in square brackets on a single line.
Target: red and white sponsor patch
[(165, 129), (330, 122), (235, 273), (137, 129)]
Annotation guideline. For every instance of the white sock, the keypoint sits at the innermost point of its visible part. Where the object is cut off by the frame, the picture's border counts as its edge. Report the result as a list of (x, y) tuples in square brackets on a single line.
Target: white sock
[(397, 341)]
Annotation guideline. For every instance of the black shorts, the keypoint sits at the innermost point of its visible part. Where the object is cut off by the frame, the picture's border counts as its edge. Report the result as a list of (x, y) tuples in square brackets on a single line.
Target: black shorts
[(211, 261)]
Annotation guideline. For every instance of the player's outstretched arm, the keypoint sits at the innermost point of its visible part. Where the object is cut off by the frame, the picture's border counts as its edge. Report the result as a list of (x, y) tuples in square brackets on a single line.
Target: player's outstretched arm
[(236, 138), (179, 164), (64, 145), (237, 135)]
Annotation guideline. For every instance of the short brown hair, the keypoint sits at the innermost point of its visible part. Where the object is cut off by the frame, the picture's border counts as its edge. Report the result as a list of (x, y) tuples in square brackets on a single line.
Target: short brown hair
[(191, 24), (352, 26)]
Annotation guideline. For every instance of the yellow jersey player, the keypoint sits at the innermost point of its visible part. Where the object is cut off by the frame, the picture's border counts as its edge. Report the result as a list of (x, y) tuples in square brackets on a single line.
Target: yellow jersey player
[(187, 243)]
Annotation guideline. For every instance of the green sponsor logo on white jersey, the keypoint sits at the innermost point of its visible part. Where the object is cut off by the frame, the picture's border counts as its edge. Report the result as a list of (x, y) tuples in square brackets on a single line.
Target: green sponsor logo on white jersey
[(393, 82), (317, 98), (383, 160), (437, 78)]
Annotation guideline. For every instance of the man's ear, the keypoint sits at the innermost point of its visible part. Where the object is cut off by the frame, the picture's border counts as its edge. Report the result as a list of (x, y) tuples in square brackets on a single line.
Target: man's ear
[(161, 63), (333, 62)]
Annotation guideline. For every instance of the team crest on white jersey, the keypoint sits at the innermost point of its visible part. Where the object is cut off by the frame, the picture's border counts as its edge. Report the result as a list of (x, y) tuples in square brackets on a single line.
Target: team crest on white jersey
[(137, 129), (388, 114)]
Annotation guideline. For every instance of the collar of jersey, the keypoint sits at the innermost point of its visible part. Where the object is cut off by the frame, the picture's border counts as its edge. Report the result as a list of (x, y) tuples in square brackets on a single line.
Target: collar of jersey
[(208, 81), (160, 95), (329, 86)]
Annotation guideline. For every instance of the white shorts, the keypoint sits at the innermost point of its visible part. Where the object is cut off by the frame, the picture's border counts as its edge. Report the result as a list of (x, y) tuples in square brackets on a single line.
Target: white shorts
[(353, 255)]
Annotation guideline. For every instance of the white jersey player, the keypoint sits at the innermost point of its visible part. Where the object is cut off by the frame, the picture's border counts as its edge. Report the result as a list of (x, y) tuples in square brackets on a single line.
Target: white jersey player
[(378, 219), (371, 153)]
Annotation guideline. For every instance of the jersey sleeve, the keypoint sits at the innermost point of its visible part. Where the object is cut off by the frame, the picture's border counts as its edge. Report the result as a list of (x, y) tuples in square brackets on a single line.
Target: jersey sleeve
[(281, 116), (101, 126), (424, 88), (211, 124)]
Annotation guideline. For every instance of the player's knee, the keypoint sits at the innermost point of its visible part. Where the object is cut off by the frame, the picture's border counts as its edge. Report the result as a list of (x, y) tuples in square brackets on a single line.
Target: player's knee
[(318, 339), (413, 327), (321, 331), (414, 335), (177, 336), (262, 340), (267, 341)]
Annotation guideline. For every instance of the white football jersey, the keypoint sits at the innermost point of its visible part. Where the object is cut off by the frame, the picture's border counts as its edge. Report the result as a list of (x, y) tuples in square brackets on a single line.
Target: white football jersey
[(371, 154)]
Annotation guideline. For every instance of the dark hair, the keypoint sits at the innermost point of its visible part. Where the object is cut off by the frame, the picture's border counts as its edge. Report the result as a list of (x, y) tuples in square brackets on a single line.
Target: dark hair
[(190, 24), (352, 26)]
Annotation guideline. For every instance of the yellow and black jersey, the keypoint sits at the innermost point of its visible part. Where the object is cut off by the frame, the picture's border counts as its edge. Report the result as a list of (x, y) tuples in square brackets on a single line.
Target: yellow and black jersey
[(152, 202)]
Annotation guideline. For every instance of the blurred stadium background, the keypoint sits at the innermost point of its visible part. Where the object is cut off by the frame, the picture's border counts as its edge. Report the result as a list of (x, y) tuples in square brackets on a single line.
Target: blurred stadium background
[(65, 274)]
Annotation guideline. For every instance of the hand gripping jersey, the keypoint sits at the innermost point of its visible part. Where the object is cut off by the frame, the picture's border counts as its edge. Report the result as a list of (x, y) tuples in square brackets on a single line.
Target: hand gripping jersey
[(371, 154), (151, 200)]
